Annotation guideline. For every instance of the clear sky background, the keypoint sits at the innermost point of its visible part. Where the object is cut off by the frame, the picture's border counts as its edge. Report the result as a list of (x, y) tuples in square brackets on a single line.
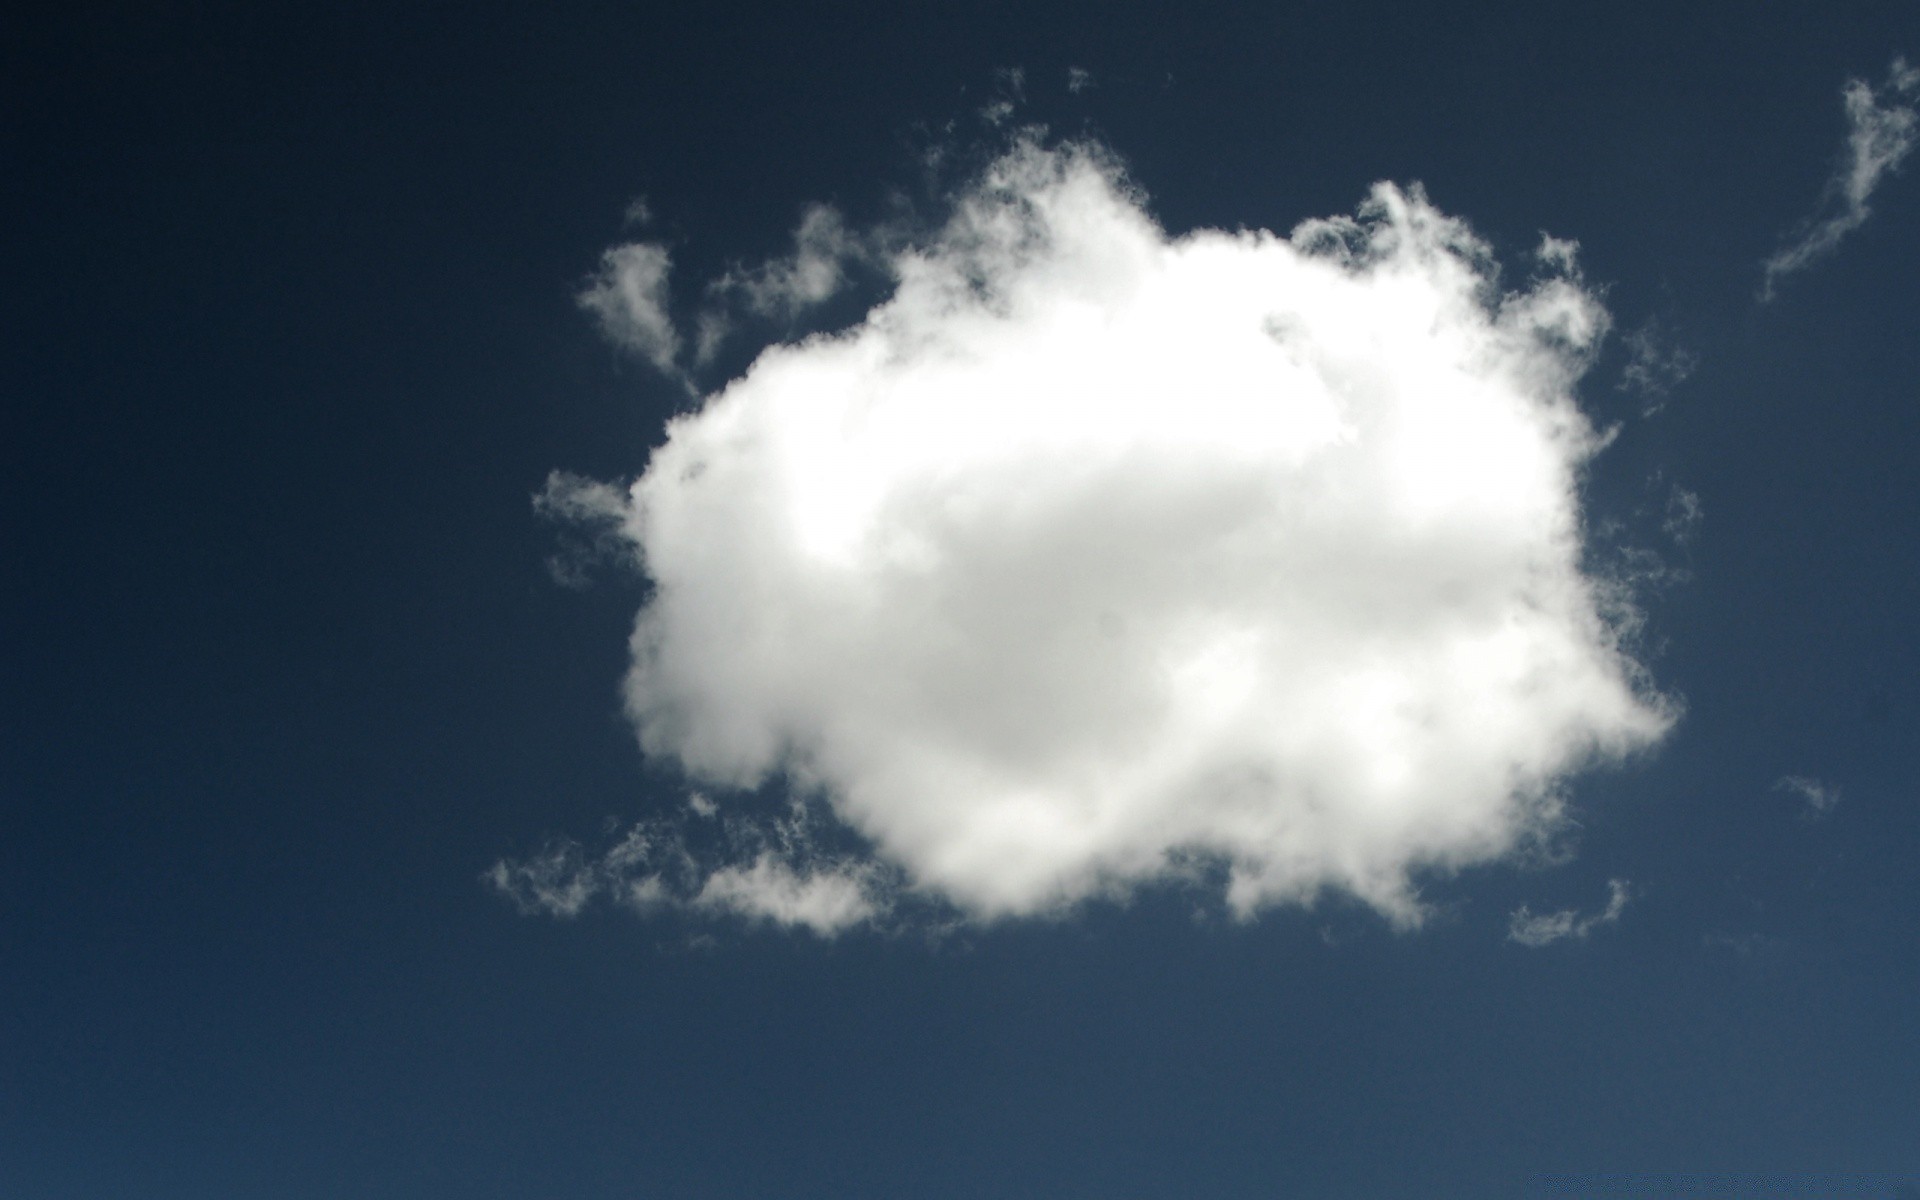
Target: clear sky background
[(293, 337)]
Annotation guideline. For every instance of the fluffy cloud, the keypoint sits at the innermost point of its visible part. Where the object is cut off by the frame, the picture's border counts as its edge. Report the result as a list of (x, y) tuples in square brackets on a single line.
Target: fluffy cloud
[(1095, 557), (1881, 132), (1543, 929), (825, 901)]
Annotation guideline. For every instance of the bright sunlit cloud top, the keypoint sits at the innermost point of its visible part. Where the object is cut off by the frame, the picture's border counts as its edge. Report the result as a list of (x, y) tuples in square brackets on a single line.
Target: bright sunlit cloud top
[(1094, 557)]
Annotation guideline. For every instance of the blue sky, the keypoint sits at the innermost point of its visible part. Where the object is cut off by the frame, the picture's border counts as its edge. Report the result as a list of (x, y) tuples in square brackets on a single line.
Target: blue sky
[(1053, 766)]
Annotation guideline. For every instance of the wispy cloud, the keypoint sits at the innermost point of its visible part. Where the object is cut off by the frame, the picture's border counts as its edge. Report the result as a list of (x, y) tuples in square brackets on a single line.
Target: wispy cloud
[(1882, 127), (1543, 929), (1656, 364), (824, 250), (1683, 515), (629, 298), (705, 862), (1817, 798), (823, 247), (593, 516), (1010, 87), (559, 881), (1095, 557)]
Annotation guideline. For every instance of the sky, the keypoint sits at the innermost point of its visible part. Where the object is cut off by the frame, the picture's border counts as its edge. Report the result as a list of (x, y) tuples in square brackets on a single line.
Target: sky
[(1047, 600)]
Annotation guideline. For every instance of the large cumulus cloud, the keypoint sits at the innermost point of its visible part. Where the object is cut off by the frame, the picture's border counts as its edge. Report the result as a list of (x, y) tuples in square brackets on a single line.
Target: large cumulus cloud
[(1095, 556)]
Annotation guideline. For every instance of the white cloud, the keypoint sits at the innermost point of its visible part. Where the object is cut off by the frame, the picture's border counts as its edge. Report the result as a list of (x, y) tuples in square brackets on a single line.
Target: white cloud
[(816, 270), (768, 869), (1543, 929), (1079, 79), (1096, 557), (586, 507), (558, 882), (1558, 254), (628, 296), (825, 901), (1819, 798), (1880, 134)]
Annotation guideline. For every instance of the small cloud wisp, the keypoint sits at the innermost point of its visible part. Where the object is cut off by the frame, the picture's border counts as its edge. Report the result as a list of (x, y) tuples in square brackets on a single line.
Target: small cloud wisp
[(1534, 930), (1882, 128), (628, 297), (1817, 798), (708, 863)]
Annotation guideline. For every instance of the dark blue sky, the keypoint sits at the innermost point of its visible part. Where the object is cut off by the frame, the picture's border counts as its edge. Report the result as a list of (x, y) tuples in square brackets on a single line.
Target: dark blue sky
[(290, 340)]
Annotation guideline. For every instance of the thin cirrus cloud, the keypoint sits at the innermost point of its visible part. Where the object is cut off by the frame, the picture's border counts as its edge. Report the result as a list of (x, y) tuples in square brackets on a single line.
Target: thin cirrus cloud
[(1882, 128), (1096, 558)]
